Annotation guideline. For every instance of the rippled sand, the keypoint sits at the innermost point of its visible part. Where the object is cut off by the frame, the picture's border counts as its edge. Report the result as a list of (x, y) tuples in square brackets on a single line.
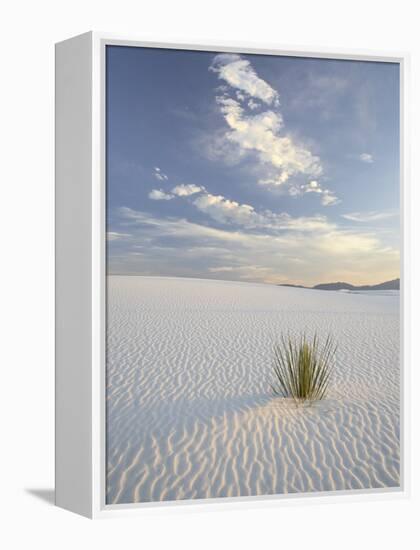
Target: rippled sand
[(189, 409)]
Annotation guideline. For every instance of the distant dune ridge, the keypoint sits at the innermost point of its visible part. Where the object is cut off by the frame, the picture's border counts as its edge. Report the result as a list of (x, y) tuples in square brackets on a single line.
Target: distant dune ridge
[(388, 285), (190, 413)]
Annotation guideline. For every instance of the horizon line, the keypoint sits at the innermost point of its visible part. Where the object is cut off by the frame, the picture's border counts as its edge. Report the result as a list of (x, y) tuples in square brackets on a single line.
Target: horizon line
[(249, 281)]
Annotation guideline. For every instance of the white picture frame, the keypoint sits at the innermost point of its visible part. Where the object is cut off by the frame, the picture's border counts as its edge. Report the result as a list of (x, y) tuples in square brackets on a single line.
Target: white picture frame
[(80, 272)]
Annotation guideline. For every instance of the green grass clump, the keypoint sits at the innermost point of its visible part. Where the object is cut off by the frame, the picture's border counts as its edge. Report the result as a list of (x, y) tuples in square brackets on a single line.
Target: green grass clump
[(302, 368)]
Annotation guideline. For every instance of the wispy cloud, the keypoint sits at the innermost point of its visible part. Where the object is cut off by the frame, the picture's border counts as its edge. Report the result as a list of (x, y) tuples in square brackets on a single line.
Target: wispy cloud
[(159, 175), (159, 195), (252, 104), (116, 236), (272, 255), (328, 198), (239, 73), (371, 216), (366, 157), (185, 190), (227, 211), (262, 134), (176, 227)]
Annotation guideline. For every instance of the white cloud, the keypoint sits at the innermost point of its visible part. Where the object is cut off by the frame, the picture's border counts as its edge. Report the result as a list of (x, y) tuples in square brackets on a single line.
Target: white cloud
[(279, 154), (252, 104), (371, 216), (314, 186), (280, 157), (159, 195), (311, 224), (225, 211), (159, 175), (115, 236), (179, 228), (294, 191), (238, 73), (366, 157), (266, 254), (328, 198), (185, 190)]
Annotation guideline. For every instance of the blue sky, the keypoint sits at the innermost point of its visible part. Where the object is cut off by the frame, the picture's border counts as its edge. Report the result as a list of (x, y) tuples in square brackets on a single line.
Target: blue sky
[(252, 168)]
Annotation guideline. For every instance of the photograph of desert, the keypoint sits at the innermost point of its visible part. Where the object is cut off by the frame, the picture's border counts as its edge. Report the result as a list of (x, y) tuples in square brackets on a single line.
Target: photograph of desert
[(253, 280)]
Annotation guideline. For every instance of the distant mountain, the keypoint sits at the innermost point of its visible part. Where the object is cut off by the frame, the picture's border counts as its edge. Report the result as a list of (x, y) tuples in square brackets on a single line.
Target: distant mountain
[(388, 285)]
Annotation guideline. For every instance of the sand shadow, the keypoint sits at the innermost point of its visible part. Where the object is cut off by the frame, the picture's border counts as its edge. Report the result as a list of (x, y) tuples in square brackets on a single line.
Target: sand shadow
[(206, 409), (47, 495)]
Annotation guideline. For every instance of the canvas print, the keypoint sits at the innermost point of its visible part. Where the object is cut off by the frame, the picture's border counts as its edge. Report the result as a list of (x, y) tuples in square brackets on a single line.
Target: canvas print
[(253, 332)]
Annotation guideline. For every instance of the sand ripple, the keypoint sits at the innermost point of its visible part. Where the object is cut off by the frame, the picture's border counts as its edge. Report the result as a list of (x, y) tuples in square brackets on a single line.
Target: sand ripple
[(189, 412)]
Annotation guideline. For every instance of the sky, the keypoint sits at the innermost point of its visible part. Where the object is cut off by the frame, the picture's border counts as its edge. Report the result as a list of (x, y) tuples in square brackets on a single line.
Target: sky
[(257, 168)]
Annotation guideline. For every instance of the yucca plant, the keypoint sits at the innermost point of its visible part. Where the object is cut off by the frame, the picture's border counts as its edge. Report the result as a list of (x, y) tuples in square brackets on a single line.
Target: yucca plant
[(302, 368)]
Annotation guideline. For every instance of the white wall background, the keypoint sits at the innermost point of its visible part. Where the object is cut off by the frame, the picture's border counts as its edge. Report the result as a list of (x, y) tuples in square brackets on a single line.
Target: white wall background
[(28, 32)]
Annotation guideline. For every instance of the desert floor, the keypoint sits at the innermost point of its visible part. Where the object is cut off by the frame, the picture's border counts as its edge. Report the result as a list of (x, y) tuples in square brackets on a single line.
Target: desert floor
[(190, 413)]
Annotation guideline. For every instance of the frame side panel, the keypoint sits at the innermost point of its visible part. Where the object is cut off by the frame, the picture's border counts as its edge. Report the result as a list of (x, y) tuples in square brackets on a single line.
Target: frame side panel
[(73, 370)]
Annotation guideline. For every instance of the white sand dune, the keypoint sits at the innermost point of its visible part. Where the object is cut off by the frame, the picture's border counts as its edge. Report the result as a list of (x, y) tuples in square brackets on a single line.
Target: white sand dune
[(189, 408)]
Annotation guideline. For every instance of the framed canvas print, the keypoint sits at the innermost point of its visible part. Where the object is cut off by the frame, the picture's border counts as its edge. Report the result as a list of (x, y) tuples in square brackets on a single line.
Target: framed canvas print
[(230, 273)]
